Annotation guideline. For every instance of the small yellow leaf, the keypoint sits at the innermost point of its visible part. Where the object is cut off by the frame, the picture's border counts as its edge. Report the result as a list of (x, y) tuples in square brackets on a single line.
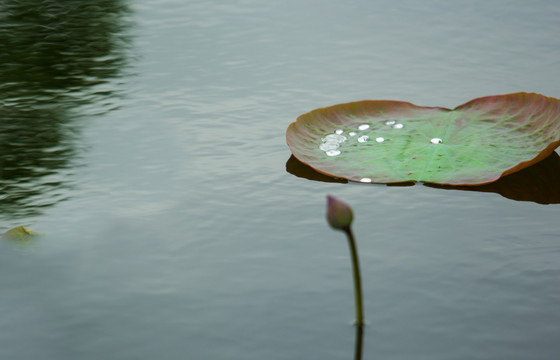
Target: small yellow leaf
[(19, 233)]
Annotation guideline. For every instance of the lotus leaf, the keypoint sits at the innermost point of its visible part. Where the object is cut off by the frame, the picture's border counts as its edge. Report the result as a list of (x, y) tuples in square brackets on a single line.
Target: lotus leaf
[(384, 141), (19, 233)]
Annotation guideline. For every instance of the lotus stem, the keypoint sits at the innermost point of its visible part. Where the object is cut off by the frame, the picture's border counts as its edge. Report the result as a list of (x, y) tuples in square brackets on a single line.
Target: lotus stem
[(340, 217), (357, 277)]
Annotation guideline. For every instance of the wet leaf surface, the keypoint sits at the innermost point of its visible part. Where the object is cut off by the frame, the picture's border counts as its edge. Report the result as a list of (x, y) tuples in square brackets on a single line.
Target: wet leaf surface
[(384, 141)]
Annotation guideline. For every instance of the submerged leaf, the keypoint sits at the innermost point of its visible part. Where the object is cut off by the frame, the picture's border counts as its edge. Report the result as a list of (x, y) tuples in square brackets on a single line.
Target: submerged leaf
[(19, 233), (385, 141)]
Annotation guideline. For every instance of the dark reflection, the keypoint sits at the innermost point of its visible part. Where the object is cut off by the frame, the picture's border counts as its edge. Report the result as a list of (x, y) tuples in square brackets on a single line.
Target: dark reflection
[(299, 169), (359, 342), (538, 183), (59, 60)]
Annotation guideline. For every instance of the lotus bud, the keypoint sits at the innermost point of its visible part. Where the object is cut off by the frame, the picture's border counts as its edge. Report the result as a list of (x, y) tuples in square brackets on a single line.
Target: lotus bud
[(339, 214)]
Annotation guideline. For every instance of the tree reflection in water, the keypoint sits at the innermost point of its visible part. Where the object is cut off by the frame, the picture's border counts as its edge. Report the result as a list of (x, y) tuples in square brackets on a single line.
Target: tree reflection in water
[(59, 59)]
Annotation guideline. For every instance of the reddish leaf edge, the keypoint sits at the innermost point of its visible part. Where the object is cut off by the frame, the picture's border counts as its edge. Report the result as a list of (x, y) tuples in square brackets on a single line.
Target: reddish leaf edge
[(522, 165)]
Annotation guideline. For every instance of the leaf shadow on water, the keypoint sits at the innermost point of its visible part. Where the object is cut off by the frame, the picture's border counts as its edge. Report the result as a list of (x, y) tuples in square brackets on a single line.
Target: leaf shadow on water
[(539, 183), (56, 65)]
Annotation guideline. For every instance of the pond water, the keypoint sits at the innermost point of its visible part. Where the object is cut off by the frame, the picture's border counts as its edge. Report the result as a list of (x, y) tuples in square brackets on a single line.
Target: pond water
[(146, 141)]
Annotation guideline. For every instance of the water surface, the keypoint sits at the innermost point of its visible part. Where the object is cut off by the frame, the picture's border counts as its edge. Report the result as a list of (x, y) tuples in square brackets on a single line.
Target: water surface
[(146, 141)]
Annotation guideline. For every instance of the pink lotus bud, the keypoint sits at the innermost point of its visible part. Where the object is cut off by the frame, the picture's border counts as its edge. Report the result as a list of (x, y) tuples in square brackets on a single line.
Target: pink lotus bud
[(339, 214)]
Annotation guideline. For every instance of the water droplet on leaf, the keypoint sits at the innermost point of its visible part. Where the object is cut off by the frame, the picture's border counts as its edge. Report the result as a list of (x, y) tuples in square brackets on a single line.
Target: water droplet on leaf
[(334, 137), (332, 152), (329, 145)]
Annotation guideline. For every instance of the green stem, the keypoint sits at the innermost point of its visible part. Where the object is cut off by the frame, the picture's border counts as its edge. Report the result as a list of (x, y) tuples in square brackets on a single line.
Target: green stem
[(357, 278)]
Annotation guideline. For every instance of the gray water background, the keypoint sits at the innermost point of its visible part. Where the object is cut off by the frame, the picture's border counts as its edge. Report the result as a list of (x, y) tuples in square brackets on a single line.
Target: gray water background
[(154, 163)]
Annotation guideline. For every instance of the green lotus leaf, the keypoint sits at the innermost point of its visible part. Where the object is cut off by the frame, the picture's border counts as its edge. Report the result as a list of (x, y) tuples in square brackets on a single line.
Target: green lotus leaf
[(385, 141)]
